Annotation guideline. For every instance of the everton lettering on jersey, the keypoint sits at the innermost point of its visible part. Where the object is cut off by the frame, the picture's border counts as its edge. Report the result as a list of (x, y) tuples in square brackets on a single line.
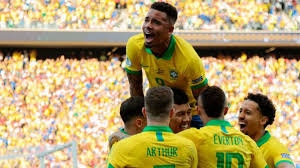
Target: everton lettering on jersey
[(227, 140)]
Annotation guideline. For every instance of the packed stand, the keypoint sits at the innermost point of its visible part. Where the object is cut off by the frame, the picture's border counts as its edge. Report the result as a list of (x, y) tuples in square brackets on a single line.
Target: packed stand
[(229, 15), (54, 101)]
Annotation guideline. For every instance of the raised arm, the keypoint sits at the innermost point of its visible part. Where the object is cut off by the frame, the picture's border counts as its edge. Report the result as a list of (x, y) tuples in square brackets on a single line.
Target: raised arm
[(135, 84), (196, 92)]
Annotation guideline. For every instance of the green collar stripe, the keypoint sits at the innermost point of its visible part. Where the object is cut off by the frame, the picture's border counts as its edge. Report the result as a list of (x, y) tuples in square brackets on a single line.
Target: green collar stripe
[(122, 130), (159, 136), (200, 85), (224, 129), (263, 139), (157, 128), (110, 166), (133, 72), (218, 123), (284, 161), (167, 54)]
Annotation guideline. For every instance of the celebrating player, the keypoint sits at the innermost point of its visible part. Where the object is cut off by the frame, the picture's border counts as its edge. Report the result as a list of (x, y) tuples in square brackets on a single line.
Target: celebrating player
[(182, 115), (168, 60), (218, 144), (256, 113), (157, 146), (132, 116)]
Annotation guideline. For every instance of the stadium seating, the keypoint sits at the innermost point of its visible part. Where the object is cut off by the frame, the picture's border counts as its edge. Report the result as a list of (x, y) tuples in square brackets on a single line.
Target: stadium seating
[(50, 102), (227, 15)]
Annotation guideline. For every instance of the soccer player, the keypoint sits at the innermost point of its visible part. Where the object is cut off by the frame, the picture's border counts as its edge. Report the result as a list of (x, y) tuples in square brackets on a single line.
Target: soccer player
[(132, 116), (182, 116), (168, 60), (256, 113), (157, 146), (218, 144)]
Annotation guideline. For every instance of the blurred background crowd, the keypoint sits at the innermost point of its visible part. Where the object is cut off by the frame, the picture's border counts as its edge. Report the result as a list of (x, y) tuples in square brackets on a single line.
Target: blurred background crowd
[(48, 102), (274, 15)]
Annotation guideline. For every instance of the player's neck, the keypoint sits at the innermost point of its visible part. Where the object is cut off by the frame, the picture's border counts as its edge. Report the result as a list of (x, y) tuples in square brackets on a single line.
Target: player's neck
[(130, 131), (151, 123), (160, 50), (258, 135)]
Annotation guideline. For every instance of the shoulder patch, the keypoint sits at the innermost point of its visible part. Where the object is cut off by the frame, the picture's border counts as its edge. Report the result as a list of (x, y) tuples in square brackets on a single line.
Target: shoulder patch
[(286, 155), (197, 80), (128, 62)]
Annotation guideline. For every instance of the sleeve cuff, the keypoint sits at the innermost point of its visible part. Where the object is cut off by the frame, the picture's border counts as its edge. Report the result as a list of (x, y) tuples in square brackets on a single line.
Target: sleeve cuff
[(200, 85), (284, 161), (133, 72)]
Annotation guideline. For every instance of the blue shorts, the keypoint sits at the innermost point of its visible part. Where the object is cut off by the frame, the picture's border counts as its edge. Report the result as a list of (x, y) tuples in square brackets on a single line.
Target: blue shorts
[(196, 122)]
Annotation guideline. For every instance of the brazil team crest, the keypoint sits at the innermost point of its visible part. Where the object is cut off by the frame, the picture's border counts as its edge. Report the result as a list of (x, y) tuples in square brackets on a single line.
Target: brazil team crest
[(173, 74)]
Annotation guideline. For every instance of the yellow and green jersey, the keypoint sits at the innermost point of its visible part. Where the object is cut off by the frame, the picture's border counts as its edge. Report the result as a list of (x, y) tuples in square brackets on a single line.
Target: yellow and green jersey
[(221, 146), (155, 147), (273, 151), (180, 67)]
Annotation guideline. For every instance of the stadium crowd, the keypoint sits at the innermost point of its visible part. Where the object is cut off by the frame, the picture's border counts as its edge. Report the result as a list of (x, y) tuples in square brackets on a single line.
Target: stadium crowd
[(54, 101), (273, 15)]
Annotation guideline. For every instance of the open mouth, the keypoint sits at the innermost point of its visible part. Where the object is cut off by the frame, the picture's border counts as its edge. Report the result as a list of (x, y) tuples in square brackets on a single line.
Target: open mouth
[(148, 37), (186, 126), (242, 126)]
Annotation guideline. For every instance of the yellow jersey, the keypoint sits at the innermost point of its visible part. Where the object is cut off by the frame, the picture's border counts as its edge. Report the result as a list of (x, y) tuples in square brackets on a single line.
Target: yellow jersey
[(221, 146), (273, 151), (179, 67), (155, 147)]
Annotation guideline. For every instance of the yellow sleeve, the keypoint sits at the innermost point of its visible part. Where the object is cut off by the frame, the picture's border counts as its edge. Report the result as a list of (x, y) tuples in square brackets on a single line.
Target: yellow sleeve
[(189, 134), (196, 73), (257, 158), (195, 157), (133, 59), (282, 155), (114, 157)]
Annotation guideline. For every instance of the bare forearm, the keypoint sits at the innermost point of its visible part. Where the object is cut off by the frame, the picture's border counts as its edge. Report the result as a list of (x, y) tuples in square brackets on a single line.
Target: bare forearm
[(136, 84)]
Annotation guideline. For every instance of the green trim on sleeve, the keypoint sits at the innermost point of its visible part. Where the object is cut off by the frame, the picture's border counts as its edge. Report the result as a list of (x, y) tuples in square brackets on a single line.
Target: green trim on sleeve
[(133, 72), (110, 166), (263, 139), (200, 85), (267, 166), (284, 161)]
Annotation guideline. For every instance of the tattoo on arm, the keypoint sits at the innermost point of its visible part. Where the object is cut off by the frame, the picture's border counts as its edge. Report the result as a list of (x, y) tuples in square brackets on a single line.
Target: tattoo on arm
[(136, 84)]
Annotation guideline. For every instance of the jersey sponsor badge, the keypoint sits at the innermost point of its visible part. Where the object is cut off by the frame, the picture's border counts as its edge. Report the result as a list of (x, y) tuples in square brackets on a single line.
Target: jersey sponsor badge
[(197, 80), (128, 62), (286, 155), (173, 74)]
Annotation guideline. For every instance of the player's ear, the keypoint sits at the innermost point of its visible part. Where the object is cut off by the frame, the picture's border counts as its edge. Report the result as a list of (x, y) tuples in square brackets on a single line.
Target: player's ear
[(225, 110), (138, 122), (172, 112), (264, 120), (144, 112)]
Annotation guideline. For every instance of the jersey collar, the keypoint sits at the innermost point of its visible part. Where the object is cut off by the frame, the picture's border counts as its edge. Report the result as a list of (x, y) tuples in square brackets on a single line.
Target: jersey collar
[(122, 130), (263, 139), (167, 54), (157, 128), (218, 123)]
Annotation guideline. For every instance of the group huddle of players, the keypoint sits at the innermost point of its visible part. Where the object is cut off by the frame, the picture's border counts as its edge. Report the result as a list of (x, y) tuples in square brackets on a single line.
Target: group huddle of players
[(180, 121)]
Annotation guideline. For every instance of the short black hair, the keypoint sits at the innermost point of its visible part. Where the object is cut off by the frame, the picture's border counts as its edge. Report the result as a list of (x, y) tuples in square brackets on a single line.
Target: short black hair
[(159, 102), (180, 96), (213, 100), (168, 9), (131, 107), (265, 105)]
